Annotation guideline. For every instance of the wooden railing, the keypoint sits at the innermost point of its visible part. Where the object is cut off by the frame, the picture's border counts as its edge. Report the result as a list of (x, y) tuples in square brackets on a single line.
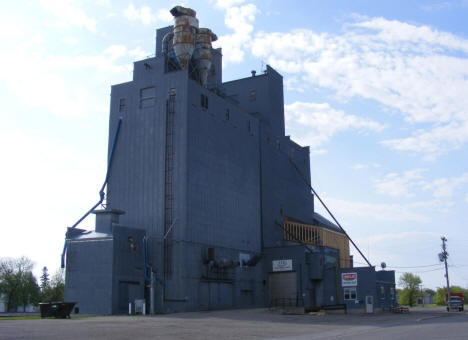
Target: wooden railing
[(318, 236)]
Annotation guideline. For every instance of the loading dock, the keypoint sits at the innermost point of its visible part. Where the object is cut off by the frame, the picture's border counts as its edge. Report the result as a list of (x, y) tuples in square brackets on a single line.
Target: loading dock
[(283, 289)]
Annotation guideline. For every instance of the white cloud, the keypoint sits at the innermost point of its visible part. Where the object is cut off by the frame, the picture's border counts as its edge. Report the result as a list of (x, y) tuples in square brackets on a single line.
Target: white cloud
[(69, 14), (378, 211), (445, 187), (54, 82), (164, 16), (70, 40), (437, 6), (360, 166), (146, 15), (419, 71), (46, 186), (240, 19), (322, 122), (398, 213), (435, 141), (225, 4), (398, 249), (391, 238), (138, 53), (394, 184)]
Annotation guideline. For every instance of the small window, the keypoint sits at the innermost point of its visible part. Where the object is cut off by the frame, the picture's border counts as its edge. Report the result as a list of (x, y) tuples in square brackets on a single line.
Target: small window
[(249, 126), (278, 145), (147, 97), (350, 293), (122, 104), (204, 101), (227, 114), (253, 96), (382, 290)]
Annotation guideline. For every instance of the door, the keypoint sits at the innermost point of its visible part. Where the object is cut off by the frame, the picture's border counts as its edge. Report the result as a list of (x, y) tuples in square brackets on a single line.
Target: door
[(128, 292), (220, 295), (123, 297), (369, 304), (283, 289)]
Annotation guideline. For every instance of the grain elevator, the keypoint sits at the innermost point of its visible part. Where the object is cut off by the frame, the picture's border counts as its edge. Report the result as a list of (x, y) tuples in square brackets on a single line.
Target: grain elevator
[(206, 204)]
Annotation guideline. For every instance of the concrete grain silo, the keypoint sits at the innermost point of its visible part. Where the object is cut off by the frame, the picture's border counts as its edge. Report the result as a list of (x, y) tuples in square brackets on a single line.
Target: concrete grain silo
[(206, 206)]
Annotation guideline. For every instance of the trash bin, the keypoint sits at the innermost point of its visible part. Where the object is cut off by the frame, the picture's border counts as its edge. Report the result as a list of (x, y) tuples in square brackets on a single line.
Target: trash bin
[(60, 310)]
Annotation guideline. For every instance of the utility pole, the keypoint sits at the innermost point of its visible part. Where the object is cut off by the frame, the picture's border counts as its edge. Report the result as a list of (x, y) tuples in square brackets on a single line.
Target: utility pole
[(443, 257)]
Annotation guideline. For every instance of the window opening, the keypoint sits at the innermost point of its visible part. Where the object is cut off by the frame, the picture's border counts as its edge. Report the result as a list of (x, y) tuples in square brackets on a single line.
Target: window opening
[(147, 97), (122, 104), (204, 101), (227, 114), (350, 293), (253, 96)]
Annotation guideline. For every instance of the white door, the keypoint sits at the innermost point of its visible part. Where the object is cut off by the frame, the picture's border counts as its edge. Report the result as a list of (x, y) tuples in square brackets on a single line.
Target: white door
[(369, 304)]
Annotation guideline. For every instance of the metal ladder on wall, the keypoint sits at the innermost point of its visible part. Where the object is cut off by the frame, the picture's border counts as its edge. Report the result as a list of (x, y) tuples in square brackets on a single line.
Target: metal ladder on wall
[(168, 183)]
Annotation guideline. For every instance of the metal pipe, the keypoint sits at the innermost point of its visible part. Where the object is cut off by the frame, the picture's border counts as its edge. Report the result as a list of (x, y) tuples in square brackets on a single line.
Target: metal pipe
[(101, 192), (145, 256), (165, 42), (334, 219)]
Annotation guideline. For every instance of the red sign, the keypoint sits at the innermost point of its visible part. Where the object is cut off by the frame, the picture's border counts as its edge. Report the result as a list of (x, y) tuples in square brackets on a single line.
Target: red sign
[(348, 279)]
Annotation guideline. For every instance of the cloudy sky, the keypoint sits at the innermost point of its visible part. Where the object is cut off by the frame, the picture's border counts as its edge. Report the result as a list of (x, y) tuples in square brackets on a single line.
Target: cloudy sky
[(378, 89)]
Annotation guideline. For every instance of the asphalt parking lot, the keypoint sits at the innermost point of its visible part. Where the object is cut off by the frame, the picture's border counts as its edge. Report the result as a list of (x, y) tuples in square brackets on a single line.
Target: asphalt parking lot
[(246, 324)]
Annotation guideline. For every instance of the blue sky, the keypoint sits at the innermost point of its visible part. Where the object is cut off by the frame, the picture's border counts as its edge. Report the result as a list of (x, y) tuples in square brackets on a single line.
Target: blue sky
[(378, 89)]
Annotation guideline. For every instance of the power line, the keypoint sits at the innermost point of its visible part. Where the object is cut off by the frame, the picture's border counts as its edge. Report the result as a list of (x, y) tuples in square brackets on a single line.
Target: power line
[(424, 271), (423, 266)]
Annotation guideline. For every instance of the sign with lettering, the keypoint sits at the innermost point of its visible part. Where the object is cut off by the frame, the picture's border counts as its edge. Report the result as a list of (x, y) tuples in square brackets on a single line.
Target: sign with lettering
[(348, 279), (282, 265)]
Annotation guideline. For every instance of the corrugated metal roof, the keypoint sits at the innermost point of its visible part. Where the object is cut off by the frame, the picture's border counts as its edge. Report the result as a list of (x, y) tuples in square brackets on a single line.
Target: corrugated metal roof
[(323, 222)]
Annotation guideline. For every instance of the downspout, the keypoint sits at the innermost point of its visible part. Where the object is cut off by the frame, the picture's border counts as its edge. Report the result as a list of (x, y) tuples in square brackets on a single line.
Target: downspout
[(101, 192)]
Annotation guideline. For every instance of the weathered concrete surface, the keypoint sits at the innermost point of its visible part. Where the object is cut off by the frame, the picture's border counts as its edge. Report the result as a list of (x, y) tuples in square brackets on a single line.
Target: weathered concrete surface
[(246, 324)]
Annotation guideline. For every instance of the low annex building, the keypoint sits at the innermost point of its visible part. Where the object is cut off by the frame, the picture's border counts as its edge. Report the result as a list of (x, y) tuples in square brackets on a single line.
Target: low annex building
[(206, 203)]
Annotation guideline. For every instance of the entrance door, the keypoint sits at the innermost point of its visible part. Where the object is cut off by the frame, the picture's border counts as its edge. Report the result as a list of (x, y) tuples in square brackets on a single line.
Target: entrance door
[(128, 292), (283, 290), (369, 304)]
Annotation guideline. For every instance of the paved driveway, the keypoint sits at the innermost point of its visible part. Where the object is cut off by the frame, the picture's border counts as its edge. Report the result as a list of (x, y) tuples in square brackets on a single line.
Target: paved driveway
[(246, 324)]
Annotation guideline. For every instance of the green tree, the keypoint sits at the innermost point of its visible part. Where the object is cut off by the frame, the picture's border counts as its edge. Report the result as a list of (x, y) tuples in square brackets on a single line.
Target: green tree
[(17, 283), (44, 278), (439, 298), (55, 291), (429, 291), (29, 292), (410, 284)]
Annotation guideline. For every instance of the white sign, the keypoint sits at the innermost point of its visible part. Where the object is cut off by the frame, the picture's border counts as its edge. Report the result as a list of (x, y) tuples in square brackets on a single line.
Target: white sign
[(282, 265), (348, 279)]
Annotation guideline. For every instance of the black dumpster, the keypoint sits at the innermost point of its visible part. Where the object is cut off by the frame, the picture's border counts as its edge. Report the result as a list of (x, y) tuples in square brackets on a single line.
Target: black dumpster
[(60, 310)]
